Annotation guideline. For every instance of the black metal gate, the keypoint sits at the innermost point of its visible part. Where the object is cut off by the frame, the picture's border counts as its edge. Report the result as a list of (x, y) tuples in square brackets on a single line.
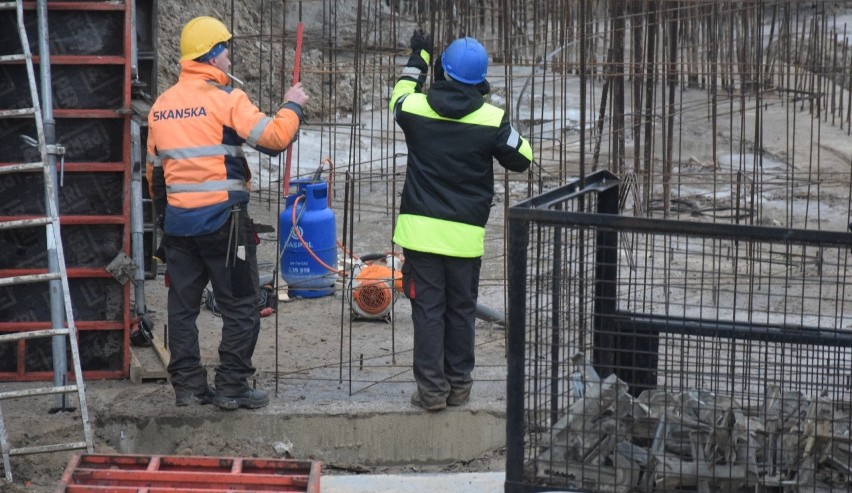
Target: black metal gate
[(662, 355)]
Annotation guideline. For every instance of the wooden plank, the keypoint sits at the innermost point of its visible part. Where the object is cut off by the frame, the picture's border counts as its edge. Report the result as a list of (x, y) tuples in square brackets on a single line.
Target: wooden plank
[(149, 363), (161, 350), (136, 369)]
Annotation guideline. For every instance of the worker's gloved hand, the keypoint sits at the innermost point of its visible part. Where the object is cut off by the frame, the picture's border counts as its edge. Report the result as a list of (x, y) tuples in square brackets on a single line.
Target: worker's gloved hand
[(421, 50), (421, 41)]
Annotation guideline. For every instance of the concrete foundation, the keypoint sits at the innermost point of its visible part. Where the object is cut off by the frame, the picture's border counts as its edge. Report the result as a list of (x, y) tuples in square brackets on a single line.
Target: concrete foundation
[(377, 426), (389, 438)]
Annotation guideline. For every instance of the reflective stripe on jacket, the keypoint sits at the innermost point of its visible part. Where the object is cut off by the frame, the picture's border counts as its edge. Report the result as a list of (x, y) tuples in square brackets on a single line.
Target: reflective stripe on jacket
[(195, 132), (453, 137)]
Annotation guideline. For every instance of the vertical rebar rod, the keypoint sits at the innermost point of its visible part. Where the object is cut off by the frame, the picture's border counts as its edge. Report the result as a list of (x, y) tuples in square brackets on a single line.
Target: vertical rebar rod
[(670, 117), (618, 143), (648, 114)]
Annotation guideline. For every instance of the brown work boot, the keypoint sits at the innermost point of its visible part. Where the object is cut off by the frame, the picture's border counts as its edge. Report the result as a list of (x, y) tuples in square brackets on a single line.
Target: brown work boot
[(436, 406)]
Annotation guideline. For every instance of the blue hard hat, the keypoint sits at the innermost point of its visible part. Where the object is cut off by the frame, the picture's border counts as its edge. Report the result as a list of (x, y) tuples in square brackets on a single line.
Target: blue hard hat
[(465, 60)]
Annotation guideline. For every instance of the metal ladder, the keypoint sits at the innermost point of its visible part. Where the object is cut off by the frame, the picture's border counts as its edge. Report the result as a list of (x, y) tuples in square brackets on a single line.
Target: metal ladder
[(57, 275)]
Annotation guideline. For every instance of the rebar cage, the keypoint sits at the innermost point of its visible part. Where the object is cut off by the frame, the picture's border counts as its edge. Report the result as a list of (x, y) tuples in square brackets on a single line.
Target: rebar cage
[(665, 355)]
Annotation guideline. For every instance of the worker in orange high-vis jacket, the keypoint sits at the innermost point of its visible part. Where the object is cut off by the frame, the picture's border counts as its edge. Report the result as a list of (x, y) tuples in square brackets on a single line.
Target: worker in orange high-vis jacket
[(199, 179)]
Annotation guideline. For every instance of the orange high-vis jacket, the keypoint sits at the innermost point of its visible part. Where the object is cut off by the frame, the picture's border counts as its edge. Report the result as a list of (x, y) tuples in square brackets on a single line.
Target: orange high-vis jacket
[(196, 129)]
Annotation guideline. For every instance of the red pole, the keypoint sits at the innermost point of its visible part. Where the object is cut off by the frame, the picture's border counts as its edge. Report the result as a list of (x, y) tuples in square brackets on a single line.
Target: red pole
[(296, 68)]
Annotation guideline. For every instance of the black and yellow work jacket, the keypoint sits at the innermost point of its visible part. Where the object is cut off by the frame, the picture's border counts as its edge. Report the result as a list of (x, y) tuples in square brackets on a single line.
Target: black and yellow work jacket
[(453, 136)]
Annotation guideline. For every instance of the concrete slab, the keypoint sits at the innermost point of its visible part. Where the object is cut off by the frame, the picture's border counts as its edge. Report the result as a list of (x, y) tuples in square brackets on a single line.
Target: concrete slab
[(371, 424)]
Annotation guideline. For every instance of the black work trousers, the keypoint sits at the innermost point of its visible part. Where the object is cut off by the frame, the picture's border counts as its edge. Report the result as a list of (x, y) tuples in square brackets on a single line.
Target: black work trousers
[(192, 261), (443, 292)]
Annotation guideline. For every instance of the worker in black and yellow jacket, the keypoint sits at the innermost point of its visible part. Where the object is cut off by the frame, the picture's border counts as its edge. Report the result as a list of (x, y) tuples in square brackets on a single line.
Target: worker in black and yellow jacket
[(199, 179), (453, 136)]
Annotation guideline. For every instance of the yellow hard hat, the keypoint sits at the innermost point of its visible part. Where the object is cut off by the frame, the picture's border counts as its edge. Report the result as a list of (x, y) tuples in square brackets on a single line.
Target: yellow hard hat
[(200, 35)]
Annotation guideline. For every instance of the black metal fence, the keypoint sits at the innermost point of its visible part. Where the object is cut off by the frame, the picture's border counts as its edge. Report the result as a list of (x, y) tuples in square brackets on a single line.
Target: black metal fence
[(662, 355)]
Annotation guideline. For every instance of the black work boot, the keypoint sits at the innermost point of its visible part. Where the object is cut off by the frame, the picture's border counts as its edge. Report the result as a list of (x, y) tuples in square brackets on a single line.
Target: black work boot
[(187, 398), (249, 399)]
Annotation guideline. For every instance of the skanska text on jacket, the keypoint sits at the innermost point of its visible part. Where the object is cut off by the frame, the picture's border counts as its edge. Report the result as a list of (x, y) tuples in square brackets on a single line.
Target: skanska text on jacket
[(180, 113)]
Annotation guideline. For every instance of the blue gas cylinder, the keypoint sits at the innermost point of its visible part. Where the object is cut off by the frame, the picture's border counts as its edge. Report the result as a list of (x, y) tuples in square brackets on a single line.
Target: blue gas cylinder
[(306, 276)]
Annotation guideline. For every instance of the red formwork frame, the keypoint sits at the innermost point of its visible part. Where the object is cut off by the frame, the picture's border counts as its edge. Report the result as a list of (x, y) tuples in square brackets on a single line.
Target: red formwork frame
[(133, 473), (122, 115)]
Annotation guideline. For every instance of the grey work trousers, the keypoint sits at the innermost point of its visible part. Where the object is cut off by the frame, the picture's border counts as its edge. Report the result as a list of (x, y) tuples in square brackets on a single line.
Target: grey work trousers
[(443, 292), (192, 261)]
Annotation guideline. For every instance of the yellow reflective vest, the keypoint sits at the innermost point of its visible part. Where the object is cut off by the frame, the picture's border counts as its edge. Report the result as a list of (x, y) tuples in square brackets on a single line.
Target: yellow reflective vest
[(453, 137)]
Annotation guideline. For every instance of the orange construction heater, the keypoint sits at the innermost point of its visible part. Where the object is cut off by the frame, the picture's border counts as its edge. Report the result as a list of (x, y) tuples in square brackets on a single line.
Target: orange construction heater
[(374, 287)]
